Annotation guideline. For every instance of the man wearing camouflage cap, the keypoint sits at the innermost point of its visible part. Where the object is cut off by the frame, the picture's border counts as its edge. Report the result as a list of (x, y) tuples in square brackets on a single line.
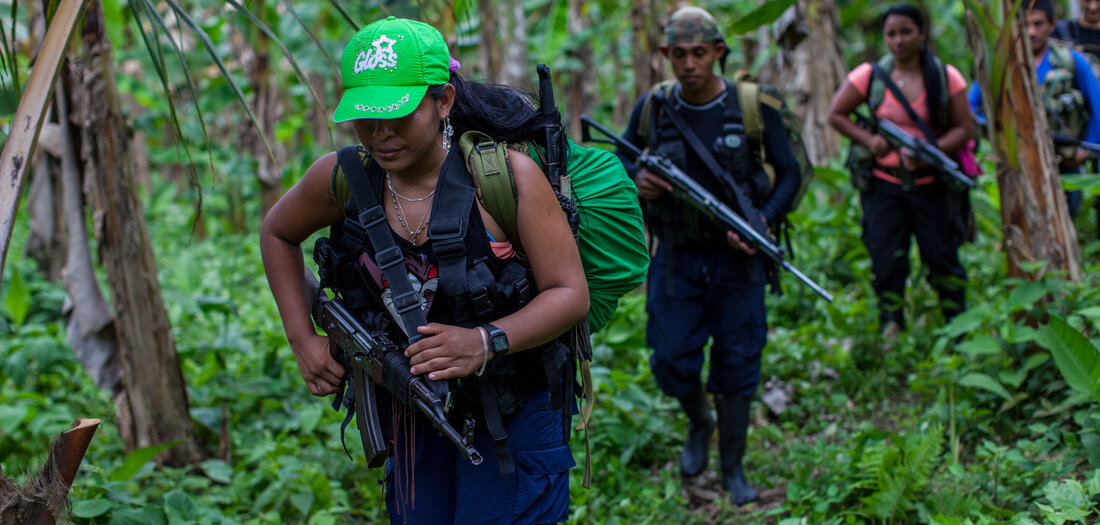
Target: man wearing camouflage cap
[(704, 282)]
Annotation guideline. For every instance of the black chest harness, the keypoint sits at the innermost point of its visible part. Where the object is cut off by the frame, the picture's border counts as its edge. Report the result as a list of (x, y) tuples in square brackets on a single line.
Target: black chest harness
[(729, 157), (474, 288)]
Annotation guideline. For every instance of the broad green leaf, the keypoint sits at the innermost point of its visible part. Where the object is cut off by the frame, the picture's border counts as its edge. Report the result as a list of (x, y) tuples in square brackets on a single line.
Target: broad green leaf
[(1090, 441), (1092, 312), (18, 299), (303, 501), (309, 418), (761, 16), (12, 416), (91, 508), (1076, 357), (178, 505), (983, 381), (138, 458), (964, 323), (1089, 184), (217, 470), (1027, 294), (138, 516), (981, 345)]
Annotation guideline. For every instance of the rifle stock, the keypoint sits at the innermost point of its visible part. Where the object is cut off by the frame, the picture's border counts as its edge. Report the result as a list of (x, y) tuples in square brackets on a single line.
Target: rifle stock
[(701, 198), (921, 148), (372, 358)]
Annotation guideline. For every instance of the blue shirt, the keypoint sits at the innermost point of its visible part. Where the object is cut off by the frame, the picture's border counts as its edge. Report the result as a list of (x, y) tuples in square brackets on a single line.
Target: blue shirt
[(1083, 80)]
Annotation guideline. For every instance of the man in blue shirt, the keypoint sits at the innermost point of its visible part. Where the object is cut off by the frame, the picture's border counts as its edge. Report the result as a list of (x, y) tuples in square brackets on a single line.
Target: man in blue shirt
[(1071, 92)]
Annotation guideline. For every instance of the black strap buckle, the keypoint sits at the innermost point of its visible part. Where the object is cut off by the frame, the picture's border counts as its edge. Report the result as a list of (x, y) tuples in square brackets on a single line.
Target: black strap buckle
[(406, 302), (389, 258), (370, 217)]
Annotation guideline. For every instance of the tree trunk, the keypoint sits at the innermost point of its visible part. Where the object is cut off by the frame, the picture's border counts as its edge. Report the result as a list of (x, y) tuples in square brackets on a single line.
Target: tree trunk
[(1036, 222), (46, 242), (156, 392), (514, 70), (265, 104), (578, 78), (90, 323), (488, 53), (809, 69), (647, 19)]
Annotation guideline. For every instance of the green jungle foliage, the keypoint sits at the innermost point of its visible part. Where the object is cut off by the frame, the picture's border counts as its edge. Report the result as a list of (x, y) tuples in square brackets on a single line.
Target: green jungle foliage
[(993, 418)]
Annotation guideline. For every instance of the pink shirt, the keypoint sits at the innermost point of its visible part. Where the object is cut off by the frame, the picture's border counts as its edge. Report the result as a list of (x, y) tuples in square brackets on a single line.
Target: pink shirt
[(892, 110)]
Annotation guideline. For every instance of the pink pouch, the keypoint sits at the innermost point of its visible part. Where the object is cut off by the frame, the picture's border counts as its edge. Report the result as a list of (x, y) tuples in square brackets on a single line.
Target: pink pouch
[(968, 163)]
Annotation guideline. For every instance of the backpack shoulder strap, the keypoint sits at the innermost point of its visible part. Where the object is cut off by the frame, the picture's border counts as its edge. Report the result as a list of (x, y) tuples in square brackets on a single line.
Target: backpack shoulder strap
[(749, 98), (488, 161), (876, 91), (647, 118), (387, 255)]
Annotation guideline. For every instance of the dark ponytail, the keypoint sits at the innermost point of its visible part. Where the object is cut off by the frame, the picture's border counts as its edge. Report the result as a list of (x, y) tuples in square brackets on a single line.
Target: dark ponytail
[(499, 111), (928, 68)]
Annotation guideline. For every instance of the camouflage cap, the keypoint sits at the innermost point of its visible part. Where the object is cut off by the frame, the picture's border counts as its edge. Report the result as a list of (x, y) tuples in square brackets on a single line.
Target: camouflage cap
[(691, 24)]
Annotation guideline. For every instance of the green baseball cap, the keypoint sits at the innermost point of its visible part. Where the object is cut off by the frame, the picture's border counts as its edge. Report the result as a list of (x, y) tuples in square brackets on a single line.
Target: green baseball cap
[(387, 67)]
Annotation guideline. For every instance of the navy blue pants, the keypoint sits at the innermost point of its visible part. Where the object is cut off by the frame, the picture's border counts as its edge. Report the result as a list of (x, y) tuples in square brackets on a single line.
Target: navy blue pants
[(697, 294), (428, 482), (891, 218)]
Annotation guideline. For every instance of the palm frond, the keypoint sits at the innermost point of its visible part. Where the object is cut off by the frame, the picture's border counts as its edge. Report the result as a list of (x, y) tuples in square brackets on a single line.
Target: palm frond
[(290, 58), (208, 45), (343, 12), (156, 54), (290, 9)]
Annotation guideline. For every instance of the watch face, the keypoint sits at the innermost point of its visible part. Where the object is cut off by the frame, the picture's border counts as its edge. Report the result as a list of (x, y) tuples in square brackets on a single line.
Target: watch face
[(500, 342)]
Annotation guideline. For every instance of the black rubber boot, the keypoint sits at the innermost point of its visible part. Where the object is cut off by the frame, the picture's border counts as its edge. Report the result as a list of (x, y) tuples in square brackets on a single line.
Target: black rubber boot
[(733, 427), (693, 460)]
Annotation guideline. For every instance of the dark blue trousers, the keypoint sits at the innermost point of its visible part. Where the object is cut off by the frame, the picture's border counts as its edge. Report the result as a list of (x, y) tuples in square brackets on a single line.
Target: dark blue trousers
[(696, 294), (429, 483)]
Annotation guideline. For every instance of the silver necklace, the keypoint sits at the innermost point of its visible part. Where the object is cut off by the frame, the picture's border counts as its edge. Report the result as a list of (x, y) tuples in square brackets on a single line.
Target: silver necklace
[(389, 182), (401, 219)]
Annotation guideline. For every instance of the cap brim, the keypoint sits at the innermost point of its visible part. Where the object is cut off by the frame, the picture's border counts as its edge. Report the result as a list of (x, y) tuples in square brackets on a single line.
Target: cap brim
[(378, 102)]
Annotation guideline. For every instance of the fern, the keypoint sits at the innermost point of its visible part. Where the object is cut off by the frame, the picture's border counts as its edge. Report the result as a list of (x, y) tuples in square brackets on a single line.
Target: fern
[(896, 471)]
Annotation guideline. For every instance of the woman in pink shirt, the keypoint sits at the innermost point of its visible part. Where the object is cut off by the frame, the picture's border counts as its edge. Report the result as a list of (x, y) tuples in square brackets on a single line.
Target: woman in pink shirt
[(904, 197)]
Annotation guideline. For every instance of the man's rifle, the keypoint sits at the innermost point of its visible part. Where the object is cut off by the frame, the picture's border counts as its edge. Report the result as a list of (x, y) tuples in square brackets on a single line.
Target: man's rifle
[(701, 198)]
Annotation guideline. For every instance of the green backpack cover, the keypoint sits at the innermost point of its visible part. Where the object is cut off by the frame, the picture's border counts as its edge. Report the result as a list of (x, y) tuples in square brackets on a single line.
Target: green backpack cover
[(610, 234)]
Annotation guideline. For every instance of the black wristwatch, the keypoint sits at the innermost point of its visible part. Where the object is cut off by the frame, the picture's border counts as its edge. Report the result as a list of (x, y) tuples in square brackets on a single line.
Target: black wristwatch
[(498, 340)]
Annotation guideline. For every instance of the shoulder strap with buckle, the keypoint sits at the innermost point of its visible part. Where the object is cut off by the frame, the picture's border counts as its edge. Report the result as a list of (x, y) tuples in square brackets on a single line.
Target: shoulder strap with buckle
[(743, 201)]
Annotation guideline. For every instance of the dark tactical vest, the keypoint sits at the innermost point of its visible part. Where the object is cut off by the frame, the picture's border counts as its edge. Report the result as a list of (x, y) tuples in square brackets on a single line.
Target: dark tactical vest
[(675, 221), (474, 287)]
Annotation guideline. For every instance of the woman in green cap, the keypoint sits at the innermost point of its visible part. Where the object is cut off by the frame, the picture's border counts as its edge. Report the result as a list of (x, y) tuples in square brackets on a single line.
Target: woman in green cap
[(489, 332)]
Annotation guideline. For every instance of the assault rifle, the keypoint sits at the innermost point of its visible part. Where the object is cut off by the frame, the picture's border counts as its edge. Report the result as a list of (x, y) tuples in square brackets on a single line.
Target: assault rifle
[(921, 148), (700, 197), (1063, 139), (371, 358)]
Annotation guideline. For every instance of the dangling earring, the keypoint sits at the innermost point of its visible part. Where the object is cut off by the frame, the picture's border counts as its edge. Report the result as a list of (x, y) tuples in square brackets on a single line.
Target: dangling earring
[(447, 132)]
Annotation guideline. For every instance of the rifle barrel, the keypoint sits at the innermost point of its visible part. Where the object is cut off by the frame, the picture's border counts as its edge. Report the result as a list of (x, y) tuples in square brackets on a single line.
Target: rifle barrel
[(699, 196)]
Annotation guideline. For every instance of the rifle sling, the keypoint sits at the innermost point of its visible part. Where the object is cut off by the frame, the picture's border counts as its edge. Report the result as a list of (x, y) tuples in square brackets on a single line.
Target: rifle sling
[(894, 90), (743, 202), (387, 255)]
